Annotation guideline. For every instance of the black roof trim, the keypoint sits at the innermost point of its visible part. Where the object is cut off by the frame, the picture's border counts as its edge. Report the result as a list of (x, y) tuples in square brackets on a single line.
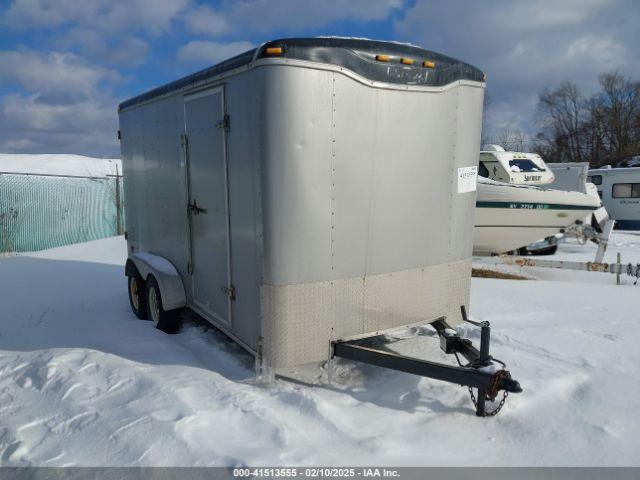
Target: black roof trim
[(357, 55)]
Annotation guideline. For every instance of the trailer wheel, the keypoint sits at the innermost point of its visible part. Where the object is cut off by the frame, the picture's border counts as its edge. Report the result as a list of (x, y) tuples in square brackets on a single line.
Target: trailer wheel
[(545, 251), (164, 320), (137, 296)]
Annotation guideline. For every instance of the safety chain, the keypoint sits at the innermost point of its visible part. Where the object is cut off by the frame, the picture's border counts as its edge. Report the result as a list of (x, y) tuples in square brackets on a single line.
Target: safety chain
[(632, 273), (492, 393)]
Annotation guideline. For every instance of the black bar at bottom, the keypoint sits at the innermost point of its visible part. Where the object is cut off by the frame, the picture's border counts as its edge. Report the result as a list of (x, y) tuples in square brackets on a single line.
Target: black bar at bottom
[(448, 373)]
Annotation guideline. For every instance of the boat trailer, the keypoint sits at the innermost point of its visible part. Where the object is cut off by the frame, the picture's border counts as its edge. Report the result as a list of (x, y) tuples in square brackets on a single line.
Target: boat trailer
[(618, 268), (481, 371), (599, 232), (598, 235)]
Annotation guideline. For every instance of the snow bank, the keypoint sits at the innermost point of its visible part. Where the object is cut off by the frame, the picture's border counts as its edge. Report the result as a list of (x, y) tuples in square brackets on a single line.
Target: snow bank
[(59, 164), (83, 382)]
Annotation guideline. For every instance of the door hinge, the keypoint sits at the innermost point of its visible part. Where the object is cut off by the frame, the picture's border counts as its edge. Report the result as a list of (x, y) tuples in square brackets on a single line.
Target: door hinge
[(224, 123), (183, 140), (119, 135), (230, 291)]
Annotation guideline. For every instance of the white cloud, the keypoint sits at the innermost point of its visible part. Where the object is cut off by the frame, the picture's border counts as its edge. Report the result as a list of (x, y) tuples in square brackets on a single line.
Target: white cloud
[(122, 49), (26, 112), (150, 16), (209, 53), (602, 50), (551, 13), (17, 145), (523, 47), (51, 72), (205, 20), (45, 13), (66, 105), (111, 31), (265, 16), (88, 126), (527, 46)]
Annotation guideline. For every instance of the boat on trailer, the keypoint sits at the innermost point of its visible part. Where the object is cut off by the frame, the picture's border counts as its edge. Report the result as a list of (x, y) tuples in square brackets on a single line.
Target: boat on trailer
[(510, 217)]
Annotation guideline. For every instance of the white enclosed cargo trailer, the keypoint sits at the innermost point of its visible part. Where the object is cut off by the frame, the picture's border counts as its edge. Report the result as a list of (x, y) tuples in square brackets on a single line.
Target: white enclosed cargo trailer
[(304, 192)]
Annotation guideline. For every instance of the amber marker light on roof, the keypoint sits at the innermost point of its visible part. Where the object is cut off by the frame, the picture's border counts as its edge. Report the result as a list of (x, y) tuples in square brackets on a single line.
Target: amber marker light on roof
[(383, 58), (428, 64), (407, 61), (274, 50)]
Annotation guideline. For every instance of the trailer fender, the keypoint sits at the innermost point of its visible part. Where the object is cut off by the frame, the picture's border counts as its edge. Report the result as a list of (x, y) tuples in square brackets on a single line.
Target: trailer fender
[(171, 287), (130, 269)]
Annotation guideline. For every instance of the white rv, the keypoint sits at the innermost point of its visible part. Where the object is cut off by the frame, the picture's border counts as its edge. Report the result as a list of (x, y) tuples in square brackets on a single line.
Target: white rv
[(517, 168), (619, 189)]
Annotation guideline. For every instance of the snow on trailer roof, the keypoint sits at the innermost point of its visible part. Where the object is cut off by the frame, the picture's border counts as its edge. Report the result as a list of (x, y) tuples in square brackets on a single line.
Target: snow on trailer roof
[(59, 164), (376, 60)]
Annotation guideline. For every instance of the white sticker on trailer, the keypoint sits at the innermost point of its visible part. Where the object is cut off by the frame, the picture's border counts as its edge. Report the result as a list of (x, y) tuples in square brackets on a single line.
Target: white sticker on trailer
[(467, 178)]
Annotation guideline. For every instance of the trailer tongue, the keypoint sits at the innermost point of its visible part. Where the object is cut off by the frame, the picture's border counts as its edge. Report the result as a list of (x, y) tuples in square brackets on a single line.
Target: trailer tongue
[(481, 372)]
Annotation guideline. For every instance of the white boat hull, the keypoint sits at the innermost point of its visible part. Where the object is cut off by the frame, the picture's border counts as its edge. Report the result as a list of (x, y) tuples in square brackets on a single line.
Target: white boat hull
[(500, 230), (509, 217)]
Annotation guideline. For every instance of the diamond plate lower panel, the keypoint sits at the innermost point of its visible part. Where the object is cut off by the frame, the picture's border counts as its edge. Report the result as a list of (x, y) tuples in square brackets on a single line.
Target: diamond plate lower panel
[(299, 321)]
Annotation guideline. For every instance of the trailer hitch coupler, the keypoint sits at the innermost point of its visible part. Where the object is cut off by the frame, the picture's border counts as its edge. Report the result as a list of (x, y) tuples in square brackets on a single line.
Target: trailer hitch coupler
[(510, 385)]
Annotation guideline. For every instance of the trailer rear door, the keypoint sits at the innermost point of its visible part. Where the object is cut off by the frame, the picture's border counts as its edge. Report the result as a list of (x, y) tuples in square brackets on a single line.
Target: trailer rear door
[(208, 208)]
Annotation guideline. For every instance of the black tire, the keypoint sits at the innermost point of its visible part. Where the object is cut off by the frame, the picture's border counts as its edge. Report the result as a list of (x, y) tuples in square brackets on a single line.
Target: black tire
[(164, 320), (138, 296), (545, 251)]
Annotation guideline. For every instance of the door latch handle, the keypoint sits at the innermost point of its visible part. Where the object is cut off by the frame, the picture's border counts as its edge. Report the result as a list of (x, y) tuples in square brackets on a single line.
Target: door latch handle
[(230, 291), (194, 208), (225, 123)]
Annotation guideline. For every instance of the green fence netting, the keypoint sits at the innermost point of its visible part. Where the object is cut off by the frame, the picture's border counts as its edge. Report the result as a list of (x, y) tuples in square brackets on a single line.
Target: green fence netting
[(44, 211)]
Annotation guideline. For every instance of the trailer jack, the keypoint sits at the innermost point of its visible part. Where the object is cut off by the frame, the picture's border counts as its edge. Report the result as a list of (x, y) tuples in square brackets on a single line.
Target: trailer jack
[(481, 371)]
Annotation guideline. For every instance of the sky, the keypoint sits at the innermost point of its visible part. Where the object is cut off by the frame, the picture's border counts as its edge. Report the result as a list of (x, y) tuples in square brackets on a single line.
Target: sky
[(66, 64)]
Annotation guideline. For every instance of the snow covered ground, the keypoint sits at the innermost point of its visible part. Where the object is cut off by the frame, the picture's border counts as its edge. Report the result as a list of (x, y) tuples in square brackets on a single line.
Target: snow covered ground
[(83, 382)]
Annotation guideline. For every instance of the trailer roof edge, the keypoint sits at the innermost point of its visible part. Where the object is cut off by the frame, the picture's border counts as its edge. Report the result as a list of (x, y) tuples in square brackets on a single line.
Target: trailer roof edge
[(380, 61)]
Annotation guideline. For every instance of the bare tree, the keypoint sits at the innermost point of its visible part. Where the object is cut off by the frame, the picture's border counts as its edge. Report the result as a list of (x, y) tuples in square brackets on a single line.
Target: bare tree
[(616, 110), (563, 112), (487, 104), (511, 139), (603, 128)]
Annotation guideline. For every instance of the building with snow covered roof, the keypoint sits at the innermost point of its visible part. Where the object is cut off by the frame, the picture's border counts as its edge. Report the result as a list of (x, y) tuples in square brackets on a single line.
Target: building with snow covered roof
[(53, 200)]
